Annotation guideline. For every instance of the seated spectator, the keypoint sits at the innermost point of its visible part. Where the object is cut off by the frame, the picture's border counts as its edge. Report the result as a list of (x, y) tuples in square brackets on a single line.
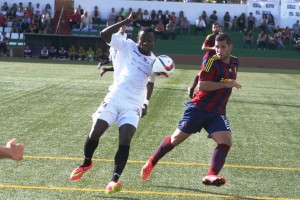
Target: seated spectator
[(72, 53), (170, 32), (90, 54), (52, 52), (112, 13), (110, 21), (153, 21), (4, 9), (146, 18), (62, 53), (3, 43), (24, 28), (75, 20), (297, 42), (96, 17), (101, 56), (37, 8), (185, 26), (27, 52), (15, 27), (3, 20), (159, 29), (11, 13), (30, 7), (33, 27), (27, 14), (248, 39), (45, 22), (262, 40), (200, 25), (287, 35), (122, 13), (44, 53), (81, 53), (272, 41), (86, 21), (251, 21)]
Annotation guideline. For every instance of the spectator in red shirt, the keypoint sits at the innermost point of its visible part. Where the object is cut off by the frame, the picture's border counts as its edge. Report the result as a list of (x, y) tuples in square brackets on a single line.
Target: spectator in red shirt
[(75, 19), (3, 20)]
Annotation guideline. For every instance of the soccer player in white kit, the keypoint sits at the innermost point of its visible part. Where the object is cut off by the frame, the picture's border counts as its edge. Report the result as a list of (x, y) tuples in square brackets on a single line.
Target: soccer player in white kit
[(126, 102)]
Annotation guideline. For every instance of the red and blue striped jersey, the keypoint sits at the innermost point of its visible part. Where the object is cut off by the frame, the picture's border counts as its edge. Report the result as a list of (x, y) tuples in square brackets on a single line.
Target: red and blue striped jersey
[(213, 69), (209, 41)]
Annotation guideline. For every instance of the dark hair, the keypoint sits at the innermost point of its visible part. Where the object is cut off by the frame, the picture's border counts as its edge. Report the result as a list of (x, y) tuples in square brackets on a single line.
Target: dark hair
[(216, 24), (146, 29), (223, 37)]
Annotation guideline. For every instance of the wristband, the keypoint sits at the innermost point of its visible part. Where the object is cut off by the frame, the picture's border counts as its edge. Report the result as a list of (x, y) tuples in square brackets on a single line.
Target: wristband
[(146, 102)]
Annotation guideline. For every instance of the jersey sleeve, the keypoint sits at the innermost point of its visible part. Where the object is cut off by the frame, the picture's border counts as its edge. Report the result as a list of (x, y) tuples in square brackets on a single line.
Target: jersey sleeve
[(208, 69), (117, 42)]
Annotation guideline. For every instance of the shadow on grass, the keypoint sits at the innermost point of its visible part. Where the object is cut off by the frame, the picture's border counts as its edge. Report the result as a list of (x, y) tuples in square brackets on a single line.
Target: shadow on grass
[(210, 193)]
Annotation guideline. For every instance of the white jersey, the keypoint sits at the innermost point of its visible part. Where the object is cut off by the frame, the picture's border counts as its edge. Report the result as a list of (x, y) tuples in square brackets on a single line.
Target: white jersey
[(132, 72), (112, 51)]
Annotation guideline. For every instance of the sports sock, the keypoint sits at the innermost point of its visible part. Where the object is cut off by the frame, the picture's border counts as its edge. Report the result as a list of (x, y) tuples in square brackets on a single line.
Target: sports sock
[(121, 158), (109, 69), (89, 149), (195, 82), (164, 147), (218, 159)]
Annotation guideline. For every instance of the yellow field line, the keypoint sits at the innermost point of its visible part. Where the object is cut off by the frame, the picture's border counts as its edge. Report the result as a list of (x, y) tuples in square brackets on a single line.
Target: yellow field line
[(170, 163), (141, 192)]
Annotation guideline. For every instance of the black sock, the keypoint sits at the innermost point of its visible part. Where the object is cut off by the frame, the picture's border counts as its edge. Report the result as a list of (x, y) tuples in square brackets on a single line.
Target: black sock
[(121, 158), (89, 149)]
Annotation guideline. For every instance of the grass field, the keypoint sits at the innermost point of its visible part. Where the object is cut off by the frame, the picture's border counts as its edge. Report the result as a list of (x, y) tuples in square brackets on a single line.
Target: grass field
[(48, 107)]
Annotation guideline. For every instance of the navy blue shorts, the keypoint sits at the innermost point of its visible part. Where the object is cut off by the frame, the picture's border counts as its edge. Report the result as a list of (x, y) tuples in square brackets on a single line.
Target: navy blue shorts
[(193, 120)]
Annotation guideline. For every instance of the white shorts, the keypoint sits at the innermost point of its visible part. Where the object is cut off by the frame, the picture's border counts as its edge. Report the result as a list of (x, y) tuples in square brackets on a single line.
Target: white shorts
[(120, 112)]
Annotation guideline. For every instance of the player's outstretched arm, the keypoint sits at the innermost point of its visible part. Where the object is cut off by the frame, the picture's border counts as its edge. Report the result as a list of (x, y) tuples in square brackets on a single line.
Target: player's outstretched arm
[(12, 150), (108, 31)]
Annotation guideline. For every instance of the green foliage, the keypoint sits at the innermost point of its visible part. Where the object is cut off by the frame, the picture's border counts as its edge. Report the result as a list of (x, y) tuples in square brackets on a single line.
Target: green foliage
[(48, 107)]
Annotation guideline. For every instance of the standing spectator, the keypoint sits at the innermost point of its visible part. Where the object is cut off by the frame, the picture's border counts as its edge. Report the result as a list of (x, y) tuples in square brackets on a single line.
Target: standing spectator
[(30, 7), (206, 111), (48, 9), (12, 150), (264, 22), (251, 21), (90, 54), (52, 52), (62, 53), (86, 21), (235, 24), (200, 25), (242, 22), (72, 53), (226, 20), (96, 17), (204, 17), (185, 26), (180, 17), (44, 53), (271, 23), (248, 39), (45, 22), (27, 52), (3, 43), (213, 18), (37, 8), (296, 28)]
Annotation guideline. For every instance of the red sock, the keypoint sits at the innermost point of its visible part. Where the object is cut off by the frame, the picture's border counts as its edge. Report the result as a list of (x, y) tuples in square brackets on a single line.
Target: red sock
[(218, 159), (164, 147)]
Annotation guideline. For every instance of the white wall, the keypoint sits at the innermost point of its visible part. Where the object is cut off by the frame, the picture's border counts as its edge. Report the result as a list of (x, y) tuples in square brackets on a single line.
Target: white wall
[(192, 10)]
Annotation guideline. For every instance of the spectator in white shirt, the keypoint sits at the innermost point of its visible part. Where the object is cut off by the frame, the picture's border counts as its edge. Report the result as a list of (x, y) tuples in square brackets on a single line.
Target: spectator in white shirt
[(200, 25)]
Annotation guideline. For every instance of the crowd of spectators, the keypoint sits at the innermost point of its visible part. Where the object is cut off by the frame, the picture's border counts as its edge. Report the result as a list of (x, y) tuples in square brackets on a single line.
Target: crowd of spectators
[(26, 18)]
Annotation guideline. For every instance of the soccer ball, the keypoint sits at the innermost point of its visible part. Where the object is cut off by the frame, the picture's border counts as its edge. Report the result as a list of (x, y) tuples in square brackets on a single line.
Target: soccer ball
[(163, 66)]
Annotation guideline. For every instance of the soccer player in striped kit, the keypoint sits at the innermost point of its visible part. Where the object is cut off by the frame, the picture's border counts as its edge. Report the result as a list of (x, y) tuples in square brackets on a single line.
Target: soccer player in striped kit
[(207, 110), (208, 46)]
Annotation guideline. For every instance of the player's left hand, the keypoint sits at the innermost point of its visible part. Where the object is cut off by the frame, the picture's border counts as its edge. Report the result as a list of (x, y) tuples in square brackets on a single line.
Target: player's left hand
[(144, 110)]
